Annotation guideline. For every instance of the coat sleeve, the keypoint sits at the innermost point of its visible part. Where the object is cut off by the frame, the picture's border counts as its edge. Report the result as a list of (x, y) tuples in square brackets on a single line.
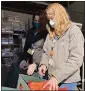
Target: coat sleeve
[(76, 54), (38, 50), (44, 59)]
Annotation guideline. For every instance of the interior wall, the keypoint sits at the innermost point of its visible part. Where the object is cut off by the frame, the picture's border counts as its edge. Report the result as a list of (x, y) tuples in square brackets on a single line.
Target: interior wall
[(76, 11)]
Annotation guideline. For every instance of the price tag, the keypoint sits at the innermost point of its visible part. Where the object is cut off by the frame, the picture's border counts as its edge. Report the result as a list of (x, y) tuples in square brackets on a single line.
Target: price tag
[(30, 51)]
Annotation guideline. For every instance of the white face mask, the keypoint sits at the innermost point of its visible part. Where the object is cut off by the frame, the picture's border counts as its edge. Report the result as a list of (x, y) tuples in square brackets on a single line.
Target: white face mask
[(52, 23)]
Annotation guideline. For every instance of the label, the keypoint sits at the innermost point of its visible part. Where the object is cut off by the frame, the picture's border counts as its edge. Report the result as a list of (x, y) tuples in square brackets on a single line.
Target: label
[(30, 51)]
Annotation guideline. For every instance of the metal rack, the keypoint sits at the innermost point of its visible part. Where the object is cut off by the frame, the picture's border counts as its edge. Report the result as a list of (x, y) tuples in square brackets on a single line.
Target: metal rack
[(7, 42), (12, 33)]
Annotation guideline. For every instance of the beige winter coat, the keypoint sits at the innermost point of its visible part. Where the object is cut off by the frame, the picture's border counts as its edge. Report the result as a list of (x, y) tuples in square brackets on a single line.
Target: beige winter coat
[(68, 55)]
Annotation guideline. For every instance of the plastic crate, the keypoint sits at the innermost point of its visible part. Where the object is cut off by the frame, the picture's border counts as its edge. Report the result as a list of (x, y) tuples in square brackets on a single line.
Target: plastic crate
[(23, 80), (7, 89)]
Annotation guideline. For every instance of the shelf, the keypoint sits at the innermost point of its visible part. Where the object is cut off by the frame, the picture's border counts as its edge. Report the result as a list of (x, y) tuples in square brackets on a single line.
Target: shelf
[(7, 44), (6, 56), (15, 34), (10, 44), (6, 33), (20, 32)]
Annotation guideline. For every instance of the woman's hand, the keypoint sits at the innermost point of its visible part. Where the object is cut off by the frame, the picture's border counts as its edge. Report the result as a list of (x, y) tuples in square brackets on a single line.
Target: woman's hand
[(31, 69), (23, 65), (52, 83), (42, 69)]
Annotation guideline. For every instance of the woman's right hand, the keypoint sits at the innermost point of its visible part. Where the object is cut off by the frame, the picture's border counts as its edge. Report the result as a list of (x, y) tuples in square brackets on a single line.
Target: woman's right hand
[(42, 69)]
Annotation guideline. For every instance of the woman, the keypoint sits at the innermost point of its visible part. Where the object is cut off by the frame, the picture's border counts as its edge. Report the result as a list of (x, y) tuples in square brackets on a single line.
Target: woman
[(30, 36), (63, 50), (37, 46)]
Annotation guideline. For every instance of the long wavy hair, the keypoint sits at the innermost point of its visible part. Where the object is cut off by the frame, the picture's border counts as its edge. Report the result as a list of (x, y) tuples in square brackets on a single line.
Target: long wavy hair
[(43, 20), (61, 16)]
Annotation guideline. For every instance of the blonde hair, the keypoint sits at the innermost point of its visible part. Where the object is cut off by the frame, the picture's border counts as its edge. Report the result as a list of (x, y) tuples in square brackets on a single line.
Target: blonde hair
[(61, 17)]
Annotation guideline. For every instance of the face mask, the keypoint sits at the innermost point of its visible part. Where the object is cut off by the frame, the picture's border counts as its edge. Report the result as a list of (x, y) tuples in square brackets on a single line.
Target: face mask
[(52, 23), (36, 25)]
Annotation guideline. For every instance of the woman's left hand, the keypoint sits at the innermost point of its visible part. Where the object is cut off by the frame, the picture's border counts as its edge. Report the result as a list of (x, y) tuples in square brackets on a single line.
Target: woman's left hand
[(31, 69), (52, 83)]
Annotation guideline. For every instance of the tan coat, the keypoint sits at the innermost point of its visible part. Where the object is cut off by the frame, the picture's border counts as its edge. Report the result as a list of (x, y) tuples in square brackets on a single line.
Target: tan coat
[(68, 55)]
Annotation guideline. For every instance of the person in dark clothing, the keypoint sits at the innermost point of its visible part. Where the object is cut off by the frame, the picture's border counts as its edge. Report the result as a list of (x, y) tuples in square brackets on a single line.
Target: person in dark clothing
[(27, 57), (38, 43), (35, 38)]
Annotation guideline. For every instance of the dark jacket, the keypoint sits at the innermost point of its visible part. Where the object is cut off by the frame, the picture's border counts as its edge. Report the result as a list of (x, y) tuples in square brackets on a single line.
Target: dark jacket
[(32, 38), (29, 40)]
